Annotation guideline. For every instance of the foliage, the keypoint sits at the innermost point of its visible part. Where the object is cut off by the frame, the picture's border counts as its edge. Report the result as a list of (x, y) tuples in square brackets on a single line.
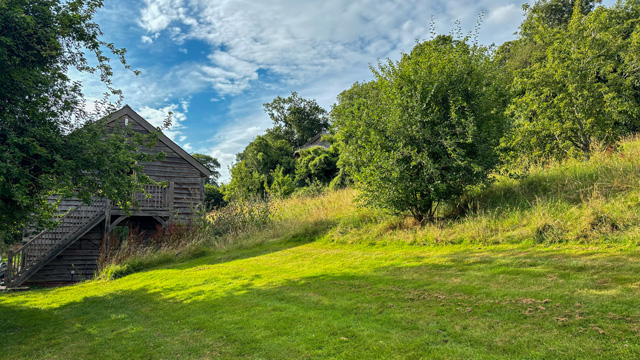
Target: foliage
[(425, 129), (48, 143), (282, 185), (579, 93), (553, 14), (252, 174), (238, 217), (525, 51), (210, 163), (316, 164), (296, 119), (311, 189), (213, 197)]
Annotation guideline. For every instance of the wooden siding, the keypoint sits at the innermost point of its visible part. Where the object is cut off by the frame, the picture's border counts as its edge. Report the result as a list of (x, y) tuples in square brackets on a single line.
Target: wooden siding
[(65, 205), (81, 258), (189, 181)]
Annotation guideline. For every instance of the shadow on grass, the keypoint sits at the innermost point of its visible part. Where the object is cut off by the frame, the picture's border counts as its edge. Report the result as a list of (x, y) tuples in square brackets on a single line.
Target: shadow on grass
[(462, 305)]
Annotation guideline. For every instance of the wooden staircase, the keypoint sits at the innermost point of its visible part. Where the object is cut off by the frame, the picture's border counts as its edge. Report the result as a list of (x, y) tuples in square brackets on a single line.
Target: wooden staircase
[(45, 246)]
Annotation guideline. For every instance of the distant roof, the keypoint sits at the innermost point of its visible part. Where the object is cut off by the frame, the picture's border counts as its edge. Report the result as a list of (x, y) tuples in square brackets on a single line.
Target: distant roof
[(128, 111), (315, 141)]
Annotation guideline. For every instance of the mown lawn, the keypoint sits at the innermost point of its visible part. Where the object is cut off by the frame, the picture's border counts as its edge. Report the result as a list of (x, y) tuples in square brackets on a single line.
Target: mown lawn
[(297, 300)]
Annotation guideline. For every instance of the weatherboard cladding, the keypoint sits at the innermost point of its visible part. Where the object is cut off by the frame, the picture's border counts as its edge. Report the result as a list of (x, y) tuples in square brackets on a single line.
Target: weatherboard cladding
[(79, 261), (178, 166)]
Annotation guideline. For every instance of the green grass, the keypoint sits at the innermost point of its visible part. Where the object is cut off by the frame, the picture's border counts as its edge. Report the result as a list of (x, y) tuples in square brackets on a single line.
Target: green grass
[(315, 300), (544, 267)]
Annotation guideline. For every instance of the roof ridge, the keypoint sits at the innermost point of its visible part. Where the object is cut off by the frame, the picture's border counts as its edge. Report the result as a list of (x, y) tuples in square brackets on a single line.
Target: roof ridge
[(127, 110)]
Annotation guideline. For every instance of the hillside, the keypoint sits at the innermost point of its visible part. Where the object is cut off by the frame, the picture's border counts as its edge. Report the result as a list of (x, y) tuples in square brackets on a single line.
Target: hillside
[(542, 267)]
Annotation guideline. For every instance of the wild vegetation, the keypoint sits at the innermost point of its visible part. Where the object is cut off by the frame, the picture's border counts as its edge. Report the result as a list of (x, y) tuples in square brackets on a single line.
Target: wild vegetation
[(49, 142), (429, 128), (574, 202), (474, 202), (327, 278)]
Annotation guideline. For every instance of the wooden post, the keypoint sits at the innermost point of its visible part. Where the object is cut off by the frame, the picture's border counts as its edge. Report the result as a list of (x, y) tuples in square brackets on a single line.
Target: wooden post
[(107, 224), (9, 273), (170, 199)]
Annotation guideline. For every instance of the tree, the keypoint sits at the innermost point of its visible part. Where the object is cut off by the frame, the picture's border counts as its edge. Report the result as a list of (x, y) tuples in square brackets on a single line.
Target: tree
[(245, 183), (553, 13), (213, 197), (425, 129), (48, 142), (210, 163), (525, 51), (296, 119), (582, 92), (252, 174), (316, 165)]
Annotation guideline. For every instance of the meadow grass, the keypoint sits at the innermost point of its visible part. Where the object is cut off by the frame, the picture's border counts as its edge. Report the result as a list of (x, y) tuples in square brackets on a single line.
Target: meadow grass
[(542, 267), (292, 299)]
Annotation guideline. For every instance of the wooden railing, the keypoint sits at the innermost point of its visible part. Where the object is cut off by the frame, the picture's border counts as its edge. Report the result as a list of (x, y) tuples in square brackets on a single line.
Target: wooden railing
[(43, 247), (155, 197), (31, 256)]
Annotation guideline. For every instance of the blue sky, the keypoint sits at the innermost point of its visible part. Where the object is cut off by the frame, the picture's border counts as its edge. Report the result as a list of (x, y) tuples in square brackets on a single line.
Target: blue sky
[(214, 63)]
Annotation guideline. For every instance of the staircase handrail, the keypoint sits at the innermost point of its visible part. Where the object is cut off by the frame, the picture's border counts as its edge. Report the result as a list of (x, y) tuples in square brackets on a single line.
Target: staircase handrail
[(17, 260)]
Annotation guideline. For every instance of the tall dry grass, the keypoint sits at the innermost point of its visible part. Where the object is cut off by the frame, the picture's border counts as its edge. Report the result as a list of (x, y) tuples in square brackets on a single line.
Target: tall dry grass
[(581, 202)]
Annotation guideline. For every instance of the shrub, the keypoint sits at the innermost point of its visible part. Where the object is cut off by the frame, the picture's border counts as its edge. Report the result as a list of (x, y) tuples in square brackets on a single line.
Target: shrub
[(426, 128), (237, 217), (282, 185), (213, 197)]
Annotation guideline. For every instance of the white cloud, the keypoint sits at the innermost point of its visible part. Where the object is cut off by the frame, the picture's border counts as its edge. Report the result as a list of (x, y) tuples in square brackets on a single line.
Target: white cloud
[(149, 39), (157, 116), (300, 41), (316, 47)]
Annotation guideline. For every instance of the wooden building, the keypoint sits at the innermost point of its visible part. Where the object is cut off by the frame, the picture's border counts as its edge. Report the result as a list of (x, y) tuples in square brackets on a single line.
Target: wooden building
[(70, 252), (315, 141)]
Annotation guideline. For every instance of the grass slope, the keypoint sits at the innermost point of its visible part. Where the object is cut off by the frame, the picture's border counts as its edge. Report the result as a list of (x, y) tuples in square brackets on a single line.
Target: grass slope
[(544, 267), (316, 300)]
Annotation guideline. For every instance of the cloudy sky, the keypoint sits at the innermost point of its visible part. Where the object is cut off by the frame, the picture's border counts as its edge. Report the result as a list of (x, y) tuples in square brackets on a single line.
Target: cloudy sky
[(214, 63)]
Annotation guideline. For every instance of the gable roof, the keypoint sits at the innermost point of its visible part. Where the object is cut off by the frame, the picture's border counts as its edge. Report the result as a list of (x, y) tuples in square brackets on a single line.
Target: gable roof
[(128, 111), (313, 142)]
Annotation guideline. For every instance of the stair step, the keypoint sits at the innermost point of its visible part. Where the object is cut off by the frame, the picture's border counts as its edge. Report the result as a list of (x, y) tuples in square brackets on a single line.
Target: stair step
[(42, 247)]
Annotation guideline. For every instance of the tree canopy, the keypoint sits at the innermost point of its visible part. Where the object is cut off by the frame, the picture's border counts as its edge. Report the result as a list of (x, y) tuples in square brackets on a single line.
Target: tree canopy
[(212, 164), (582, 91), (267, 165), (425, 128), (296, 119), (48, 141)]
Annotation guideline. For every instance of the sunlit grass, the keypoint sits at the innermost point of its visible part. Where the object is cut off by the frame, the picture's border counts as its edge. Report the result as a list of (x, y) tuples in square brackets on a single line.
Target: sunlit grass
[(541, 267), (318, 300)]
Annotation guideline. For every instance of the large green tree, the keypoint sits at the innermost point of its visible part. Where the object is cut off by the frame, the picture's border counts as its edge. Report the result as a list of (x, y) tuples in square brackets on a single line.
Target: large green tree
[(583, 91), (296, 119), (252, 174), (269, 157), (212, 164), (425, 128), (525, 50), (48, 142)]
